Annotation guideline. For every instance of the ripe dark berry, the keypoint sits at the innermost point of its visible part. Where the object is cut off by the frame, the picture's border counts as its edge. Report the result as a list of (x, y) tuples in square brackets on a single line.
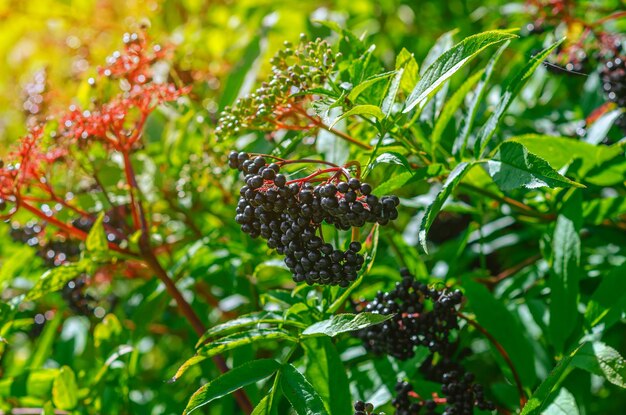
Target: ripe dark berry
[(423, 317), (289, 218)]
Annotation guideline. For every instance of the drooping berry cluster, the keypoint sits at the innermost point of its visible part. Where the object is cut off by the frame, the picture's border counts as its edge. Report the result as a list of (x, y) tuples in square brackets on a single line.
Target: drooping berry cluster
[(276, 103), (289, 215), (423, 316), (363, 408), (461, 394)]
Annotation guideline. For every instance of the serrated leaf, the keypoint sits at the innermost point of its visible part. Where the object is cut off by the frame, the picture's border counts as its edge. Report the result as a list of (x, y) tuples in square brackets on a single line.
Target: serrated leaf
[(450, 107), (300, 393), (362, 110), (399, 180), (65, 390), (450, 62), (324, 369), (563, 404), (55, 279), (357, 90), (542, 395), (608, 301), (247, 320), (406, 61), (229, 382), (603, 360), (561, 151), (454, 178), (468, 123), (392, 92), (344, 323), (565, 271), (513, 166), (97, 238), (511, 90), (232, 342)]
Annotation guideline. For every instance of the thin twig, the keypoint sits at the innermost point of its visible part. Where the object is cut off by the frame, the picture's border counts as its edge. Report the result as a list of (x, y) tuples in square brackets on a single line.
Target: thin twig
[(503, 353)]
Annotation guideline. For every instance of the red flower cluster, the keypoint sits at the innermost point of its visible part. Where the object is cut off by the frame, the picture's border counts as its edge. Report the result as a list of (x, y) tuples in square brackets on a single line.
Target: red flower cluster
[(117, 123), (28, 164), (135, 62)]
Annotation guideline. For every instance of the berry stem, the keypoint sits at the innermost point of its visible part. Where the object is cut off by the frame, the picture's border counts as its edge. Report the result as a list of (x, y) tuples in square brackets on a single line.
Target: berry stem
[(318, 123), (503, 353), (317, 173), (152, 261)]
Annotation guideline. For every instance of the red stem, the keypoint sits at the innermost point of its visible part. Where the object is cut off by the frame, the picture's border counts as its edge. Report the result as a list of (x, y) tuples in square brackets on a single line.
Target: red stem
[(151, 260), (503, 353)]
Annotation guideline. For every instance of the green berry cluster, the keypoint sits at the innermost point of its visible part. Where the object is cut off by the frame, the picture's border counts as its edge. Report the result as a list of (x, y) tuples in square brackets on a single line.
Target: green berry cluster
[(277, 102)]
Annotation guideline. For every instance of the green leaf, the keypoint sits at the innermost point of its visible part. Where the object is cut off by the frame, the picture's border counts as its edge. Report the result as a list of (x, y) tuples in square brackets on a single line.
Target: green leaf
[(65, 390), (450, 62), (230, 381), (454, 178), (561, 151), (601, 127), (492, 314), (450, 107), (406, 61), (513, 87), (602, 360), (392, 92), (235, 84), (362, 110), (252, 319), (300, 393), (232, 342), (97, 238), (565, 271), (343, 323), (263, 408), (31, 383), (563, 404), (357, 90), (55, 279), (461, 143), (399, 180), (513, 166), (325, 370), (541, 397), (608, 301)]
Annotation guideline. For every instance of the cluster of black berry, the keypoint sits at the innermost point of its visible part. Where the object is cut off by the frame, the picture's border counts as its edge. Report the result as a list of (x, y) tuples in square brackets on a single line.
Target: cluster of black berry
[(363, 408), (462, 396), (77, 299), (295, 70), (423, 316), (613, 78), (54, 252), (289, 215), (114, 220)]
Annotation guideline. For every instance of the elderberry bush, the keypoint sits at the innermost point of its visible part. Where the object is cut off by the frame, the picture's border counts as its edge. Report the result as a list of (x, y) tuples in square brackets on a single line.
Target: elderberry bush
[(423, 316), (289, 216)]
